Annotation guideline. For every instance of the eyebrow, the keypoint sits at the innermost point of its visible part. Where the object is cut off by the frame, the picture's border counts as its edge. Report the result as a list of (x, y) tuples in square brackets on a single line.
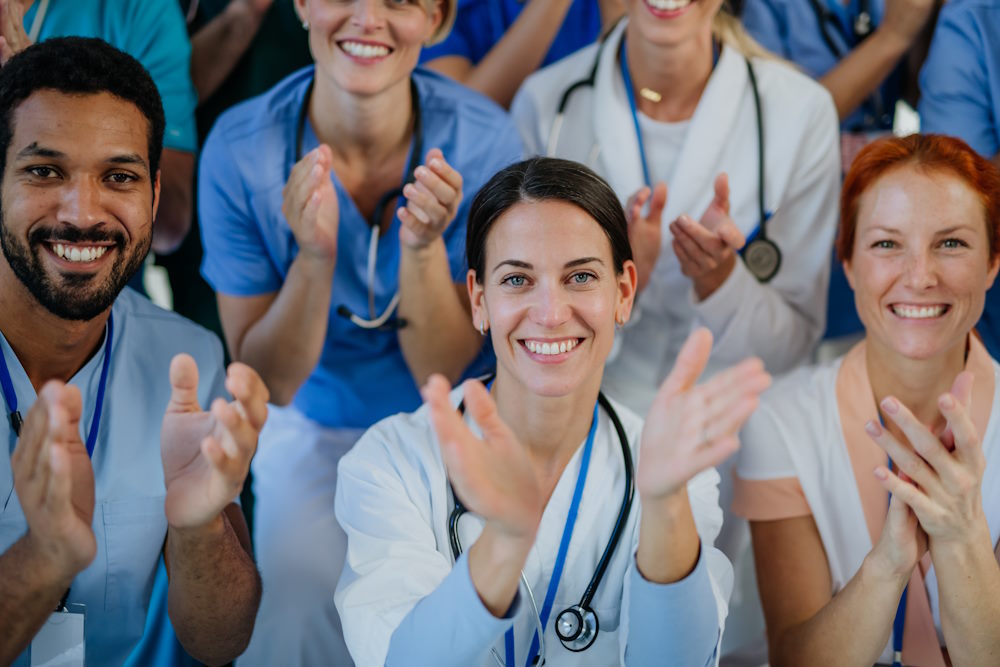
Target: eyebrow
[(516, 263), (34, 150)]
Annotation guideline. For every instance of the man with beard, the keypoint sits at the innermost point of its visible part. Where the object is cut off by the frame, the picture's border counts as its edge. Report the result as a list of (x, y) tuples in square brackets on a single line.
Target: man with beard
[(114, 462)]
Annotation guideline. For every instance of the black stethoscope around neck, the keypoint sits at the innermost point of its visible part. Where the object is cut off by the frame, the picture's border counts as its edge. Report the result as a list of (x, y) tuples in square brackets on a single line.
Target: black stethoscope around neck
[(576, 626), (761, 255), (380, 322)]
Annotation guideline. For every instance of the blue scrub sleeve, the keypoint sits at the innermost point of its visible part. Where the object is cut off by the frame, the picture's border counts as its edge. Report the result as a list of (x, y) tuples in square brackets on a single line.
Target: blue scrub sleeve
[(955, 82), (450, 626), (236, 260), (157, 37), (766, 23), (676, 623)]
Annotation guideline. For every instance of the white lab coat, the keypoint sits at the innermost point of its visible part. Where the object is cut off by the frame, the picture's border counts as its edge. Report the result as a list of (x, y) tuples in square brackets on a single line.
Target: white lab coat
[(394, 500), (797, 432), (779, 321)]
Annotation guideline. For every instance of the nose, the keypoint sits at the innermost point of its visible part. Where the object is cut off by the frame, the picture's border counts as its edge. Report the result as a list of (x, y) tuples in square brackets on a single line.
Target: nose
[(368, 15), (552, 306), (80, 204), (921, 270)]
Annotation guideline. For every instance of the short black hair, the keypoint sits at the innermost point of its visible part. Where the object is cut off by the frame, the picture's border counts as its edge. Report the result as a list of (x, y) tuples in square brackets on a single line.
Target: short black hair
[(79, 66), (546, 179)]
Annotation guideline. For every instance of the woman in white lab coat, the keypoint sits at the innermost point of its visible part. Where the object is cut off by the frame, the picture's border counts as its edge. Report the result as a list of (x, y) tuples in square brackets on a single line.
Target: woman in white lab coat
[(538, 454), (679, 79), (920, 242)]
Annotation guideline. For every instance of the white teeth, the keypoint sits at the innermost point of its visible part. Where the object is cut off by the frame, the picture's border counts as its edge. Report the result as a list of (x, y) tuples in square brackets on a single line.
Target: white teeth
[(918, 312), (359, 50), (668, 5), (550, 348), (79, 254)]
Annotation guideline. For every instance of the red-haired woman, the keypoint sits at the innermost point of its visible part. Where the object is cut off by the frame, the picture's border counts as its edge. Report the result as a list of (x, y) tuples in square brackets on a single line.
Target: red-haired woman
[(872, 484)]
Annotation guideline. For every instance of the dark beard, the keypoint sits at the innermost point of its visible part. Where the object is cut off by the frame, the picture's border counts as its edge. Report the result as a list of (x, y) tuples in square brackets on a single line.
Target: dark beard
[(68, 297)]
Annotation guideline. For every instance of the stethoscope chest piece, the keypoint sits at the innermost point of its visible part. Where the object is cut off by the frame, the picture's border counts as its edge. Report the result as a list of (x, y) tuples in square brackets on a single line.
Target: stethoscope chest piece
[(577, 627), (762, 258)]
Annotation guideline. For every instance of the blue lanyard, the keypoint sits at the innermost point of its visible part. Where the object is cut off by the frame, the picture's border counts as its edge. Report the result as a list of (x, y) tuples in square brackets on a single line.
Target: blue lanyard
[(899, 622), (550, 595), (10, 397), (630, 94)]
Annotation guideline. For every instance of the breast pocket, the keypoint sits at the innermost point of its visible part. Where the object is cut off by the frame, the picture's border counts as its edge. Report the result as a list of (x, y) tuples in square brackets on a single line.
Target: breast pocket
[(134, 532)]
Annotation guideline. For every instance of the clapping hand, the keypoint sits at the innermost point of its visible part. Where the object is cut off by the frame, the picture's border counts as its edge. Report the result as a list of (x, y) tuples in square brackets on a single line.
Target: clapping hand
[(492, 476), (707, 249), (55, 481), (206, 455), (13, 38), (644, 231), (690, 428), (431, 201), (310, 205)]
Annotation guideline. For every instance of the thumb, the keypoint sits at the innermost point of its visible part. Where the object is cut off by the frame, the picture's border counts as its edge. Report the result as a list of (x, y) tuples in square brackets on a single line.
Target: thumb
[(722, 192), (483, 410), (690, 363), (961, 389), (183, 384), (657, 203), (732, 236)]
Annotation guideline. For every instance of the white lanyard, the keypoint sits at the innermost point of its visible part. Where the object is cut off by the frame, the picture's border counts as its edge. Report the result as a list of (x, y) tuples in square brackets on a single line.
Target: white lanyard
[(36, 25)]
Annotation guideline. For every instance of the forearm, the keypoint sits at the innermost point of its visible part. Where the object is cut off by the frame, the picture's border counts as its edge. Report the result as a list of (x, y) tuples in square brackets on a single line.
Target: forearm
[(996, 160), (862, 71), (173, 217), (852, 629), (285, 344), (30, 589), (519, 52), (217, 47), (969, 588), (214, 590), (438, 336), (668, 540), (448, 627), (495, 563)]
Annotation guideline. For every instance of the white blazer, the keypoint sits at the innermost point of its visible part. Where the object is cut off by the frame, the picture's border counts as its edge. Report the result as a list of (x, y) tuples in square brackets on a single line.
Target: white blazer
[(394, 501), (780, 321)]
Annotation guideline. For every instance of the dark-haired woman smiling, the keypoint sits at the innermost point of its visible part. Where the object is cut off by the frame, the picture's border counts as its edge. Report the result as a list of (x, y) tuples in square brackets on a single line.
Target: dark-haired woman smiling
[(492, 512)]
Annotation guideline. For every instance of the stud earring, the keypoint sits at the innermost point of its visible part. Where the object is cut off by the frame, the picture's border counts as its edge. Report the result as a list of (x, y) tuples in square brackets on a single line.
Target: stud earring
[(305, 24), (482, 326)]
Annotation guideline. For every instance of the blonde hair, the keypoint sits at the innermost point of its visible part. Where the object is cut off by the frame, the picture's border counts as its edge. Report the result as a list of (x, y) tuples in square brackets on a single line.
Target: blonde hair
[(449, 9), (727, 29)]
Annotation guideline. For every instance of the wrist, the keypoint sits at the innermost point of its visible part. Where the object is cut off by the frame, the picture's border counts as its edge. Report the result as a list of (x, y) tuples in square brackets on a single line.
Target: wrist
[(316, 264), (51, 563), (211, 529), (893, 43), (964, 549), (245, 14), (419, 250), (878, 566), (706, 285)]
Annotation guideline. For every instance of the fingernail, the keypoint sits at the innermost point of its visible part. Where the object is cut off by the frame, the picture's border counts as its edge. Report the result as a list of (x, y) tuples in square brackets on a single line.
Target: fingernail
[(880, 473), (890, 405), (947, 402), (436, 163), (873, 429), (421, 170)]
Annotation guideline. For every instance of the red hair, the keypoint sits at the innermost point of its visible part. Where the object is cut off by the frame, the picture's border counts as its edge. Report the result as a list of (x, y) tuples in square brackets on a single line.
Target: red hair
[(928, 153)]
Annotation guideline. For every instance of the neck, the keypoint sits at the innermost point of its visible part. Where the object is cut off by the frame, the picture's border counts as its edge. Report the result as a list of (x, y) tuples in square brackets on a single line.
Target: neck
[(550, 428), (677, 72), (916, 383), (362, 130), (48, 347)]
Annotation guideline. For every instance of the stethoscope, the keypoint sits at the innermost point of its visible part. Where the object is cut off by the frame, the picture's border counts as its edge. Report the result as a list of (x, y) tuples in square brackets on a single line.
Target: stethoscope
[(380, 322), (576, 626), (760, 254)]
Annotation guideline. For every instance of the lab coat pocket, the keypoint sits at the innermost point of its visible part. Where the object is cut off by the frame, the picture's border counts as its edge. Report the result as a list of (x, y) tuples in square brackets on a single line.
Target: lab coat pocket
[(134, 532)]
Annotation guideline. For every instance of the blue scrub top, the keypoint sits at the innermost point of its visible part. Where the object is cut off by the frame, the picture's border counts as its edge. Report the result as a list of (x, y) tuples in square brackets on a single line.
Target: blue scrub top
[(791, 29), (249, 247), (480, 24), (960, 96), (129, 520), (152, 32)]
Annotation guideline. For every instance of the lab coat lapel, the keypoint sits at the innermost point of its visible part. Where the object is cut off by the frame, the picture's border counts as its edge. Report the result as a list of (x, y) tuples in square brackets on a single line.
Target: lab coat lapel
[(708, 135)]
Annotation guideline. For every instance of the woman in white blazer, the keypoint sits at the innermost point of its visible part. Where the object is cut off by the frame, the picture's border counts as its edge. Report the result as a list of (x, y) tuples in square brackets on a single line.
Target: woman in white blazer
[(696, 114), (910, 411), (460, 517)]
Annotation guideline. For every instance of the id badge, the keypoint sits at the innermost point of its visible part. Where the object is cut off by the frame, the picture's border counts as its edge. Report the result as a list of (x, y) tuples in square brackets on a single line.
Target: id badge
[(60, 642)]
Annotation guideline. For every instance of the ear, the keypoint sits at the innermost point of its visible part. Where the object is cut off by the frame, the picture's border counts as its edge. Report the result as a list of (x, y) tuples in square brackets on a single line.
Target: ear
[(300, 9), (994, 267), (477, 299), (437, 14), (628, 279), (156, 193), (848, 273)]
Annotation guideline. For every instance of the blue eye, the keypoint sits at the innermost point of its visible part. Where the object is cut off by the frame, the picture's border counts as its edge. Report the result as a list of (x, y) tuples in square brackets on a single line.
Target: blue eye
[(514, 281), (884, 244), (953, 244), (582, 278)]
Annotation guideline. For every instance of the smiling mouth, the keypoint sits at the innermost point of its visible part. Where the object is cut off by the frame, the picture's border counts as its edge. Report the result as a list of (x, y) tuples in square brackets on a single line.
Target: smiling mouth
[(668, 5), (78, 253), (363, 50), (913, 312), (551, 348)]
